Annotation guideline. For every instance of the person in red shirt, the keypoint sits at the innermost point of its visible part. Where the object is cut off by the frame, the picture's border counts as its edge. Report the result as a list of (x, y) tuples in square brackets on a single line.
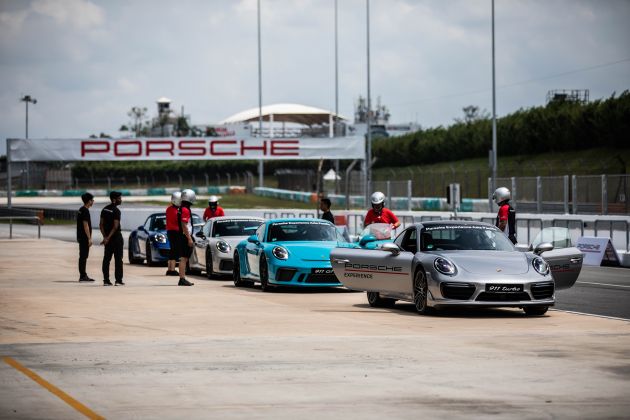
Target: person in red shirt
[(379, 213), (185, 234), (213, 209), (172, 231), (506, 217)]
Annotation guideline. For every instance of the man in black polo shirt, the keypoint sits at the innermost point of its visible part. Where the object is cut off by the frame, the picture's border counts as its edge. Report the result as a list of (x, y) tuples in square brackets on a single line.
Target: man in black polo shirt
[(112, 239), (84, 234)]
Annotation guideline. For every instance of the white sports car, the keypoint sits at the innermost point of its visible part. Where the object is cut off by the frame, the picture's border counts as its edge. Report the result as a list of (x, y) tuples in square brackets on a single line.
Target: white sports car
[(439, 264), (214, 244)]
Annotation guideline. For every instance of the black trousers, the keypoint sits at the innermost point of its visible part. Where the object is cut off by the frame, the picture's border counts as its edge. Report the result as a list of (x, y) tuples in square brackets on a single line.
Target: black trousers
[(114, 248), (84, 253)]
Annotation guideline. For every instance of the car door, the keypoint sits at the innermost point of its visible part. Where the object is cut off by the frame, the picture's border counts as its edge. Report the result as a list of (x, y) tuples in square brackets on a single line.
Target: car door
[(565, 265), (254, 251), (372, 270), (143, 235), (202, 243)]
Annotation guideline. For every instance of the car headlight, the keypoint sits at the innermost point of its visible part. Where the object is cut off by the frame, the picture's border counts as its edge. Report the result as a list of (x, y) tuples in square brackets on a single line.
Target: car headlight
[(224, 247), (444, 266), (540, 266), (280, 253), (161, 238)]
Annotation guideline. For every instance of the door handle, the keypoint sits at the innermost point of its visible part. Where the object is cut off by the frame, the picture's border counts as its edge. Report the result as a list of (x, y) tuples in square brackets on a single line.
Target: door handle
[(340, 261), (576, 260)]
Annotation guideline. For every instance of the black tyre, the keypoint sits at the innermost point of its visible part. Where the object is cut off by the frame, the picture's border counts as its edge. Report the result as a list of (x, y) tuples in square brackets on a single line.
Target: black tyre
[(236, 274), (535, 310), (150, 261), (264, 275), (209, 272), (376, 301), (132, 259), (420, 289)]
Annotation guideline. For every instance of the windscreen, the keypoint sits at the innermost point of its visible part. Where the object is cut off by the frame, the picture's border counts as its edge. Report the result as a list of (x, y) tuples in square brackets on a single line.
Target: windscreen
[(464, 237), (380, 230), (302, 231), (159, 223), (223, 228)]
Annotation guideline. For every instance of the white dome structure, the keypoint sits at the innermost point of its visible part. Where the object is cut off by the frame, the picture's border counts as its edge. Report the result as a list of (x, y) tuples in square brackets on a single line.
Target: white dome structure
[(292, 113)]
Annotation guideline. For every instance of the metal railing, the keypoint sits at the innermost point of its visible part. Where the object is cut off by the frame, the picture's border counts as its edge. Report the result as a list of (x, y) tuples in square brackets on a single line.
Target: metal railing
[(31, 218)]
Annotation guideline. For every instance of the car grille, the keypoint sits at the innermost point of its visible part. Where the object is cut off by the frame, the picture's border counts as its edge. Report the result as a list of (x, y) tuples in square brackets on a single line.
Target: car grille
[(285, 274), (458, 291), (226, 265), (502, 297), (321, 278), (543, 290)]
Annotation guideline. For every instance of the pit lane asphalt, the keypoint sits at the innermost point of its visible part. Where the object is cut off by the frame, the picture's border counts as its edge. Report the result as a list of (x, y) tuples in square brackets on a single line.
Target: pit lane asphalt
[(151, 349), (602, 291)]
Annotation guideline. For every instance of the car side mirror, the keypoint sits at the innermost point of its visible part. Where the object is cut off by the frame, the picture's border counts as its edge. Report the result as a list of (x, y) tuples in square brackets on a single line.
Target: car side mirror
[(543, 247), (253, 239), (141, 228), (391, 247), (200, 235), (367, 239)]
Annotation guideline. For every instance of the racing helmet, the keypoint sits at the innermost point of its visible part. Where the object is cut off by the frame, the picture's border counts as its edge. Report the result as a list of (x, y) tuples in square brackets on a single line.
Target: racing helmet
[(176, 198), (189, 196), (377, 198), (213, 201), (501, 194)]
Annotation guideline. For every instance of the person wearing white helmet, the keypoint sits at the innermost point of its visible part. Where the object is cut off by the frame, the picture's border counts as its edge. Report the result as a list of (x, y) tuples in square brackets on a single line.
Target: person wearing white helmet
[(172, 231), (213, 209), (379, 213), (506, 217), (185, 236)]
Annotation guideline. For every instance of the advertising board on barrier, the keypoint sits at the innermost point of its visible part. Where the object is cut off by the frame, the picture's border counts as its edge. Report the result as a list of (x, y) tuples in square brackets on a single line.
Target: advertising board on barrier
[(186, 148), (597, 250)]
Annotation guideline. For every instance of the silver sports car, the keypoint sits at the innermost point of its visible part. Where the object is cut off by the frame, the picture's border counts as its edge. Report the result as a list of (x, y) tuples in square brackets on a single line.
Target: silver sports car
[(214, 244), (439, 264)]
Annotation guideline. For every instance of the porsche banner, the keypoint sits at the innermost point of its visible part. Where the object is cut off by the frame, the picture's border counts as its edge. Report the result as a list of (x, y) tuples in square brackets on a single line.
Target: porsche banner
[(186, 148)]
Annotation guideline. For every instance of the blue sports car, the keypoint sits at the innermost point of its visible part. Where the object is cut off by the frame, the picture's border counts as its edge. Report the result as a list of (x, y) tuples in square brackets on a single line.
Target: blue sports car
[(288, 252), (150, 242)]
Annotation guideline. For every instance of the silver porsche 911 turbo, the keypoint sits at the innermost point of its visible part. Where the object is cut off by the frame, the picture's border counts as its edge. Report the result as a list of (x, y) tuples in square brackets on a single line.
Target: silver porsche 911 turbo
[(441, 264)]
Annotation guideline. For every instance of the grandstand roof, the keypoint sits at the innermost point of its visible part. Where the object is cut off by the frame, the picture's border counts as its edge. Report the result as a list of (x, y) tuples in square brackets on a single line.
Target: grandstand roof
[(294, 113)]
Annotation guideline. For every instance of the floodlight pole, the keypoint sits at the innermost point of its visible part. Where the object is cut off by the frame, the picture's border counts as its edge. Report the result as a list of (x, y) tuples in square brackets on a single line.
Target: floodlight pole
[(260, 132), (336, 98), (368, 158), (28, 99), (494, 115)]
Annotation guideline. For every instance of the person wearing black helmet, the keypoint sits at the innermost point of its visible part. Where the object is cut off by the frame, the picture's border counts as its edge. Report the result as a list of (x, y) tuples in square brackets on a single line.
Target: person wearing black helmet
[(213, 209), (112, 239), (506, 216), (84, 234)]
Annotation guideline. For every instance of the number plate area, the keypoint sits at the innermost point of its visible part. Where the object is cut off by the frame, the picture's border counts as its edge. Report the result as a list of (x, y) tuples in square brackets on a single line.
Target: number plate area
[(322, 271), (504, 288)]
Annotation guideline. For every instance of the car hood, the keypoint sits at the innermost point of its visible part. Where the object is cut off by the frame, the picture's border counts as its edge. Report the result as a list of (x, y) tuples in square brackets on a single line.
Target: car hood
[(231, 240), (309, 251), (489, 262)]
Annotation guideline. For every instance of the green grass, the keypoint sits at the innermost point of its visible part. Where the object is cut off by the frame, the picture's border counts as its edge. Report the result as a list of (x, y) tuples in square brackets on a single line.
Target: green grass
[(246, 201), (582, 162)]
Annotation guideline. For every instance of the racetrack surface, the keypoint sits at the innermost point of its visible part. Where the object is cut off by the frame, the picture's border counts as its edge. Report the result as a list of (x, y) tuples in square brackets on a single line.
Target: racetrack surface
[(151, 349)]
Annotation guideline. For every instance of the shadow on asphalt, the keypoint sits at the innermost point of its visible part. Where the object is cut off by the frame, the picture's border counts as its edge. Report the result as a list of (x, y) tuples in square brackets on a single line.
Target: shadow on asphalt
[(408, 309)]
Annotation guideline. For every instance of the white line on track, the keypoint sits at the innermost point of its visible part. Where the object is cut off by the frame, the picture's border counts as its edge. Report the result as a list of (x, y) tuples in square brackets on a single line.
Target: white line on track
[(584, 313), (603, 284)]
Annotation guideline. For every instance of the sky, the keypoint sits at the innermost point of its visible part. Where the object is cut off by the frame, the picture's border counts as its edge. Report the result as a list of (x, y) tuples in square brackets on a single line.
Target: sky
[(88, 62)]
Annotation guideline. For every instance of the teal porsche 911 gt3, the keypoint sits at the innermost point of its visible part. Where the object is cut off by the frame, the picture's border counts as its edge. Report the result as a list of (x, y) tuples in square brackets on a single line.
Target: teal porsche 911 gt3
[(288, 252)]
